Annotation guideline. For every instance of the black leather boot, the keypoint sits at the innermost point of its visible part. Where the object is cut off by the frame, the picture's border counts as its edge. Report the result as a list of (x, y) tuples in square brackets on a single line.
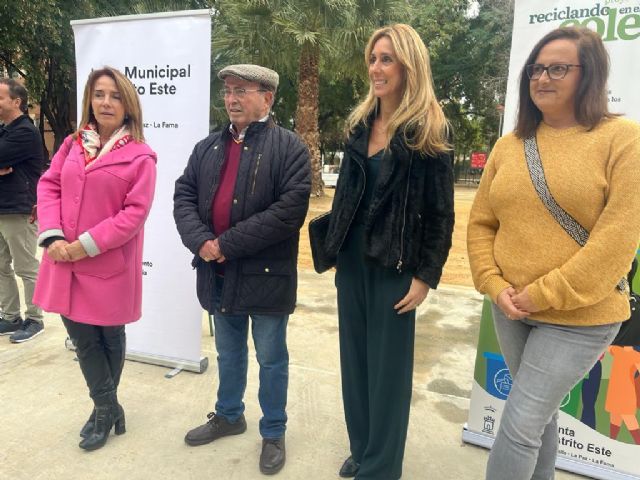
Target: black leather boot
[(115, 346), (88, 427), (109, 414)]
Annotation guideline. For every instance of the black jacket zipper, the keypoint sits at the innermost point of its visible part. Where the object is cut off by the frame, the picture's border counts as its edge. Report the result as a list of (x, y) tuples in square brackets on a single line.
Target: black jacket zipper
[(364, 176), (255, 174), (404, 216)]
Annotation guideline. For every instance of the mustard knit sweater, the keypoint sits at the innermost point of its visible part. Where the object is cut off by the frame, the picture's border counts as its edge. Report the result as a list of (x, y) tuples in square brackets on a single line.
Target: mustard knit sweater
[(513, 240)]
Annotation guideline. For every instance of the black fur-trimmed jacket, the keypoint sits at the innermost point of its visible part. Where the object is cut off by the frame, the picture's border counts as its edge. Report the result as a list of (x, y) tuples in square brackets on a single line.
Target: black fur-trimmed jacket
[(270, 203), (410, 220)]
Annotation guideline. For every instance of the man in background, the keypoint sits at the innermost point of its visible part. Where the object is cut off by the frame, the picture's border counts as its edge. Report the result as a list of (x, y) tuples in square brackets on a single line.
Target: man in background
[(21, 163)]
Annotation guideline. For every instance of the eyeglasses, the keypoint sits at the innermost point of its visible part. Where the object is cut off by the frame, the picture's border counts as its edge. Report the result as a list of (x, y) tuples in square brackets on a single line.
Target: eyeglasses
[(555, 71), (238, 92)]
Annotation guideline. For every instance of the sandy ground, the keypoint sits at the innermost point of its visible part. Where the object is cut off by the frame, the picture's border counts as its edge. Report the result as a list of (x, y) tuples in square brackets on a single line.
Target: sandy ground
[(456, 270)]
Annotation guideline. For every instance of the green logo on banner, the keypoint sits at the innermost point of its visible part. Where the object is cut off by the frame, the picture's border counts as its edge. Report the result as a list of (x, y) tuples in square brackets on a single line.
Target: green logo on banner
[(622, 23)]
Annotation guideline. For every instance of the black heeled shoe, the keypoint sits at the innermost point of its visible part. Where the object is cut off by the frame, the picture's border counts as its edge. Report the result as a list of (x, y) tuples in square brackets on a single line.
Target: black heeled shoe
[(107, 417), (88, 427), (349, 468), (115, 358), (119, 425)]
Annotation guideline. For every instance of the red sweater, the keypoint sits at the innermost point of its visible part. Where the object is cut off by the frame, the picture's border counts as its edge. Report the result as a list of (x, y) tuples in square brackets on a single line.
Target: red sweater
[(222, 200)]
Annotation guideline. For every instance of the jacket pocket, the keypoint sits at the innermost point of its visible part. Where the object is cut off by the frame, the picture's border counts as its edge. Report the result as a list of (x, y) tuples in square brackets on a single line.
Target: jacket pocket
[(266, 267), (204, 282), (266, 284), (104, 265)]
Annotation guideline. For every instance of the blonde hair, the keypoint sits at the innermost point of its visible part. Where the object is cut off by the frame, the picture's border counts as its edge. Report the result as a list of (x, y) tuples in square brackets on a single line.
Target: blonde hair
[(419, 116), (128, 94)]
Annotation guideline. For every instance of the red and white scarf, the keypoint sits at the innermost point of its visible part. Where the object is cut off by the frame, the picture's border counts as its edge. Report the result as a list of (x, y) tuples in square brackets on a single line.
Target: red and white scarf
[(89, 140)]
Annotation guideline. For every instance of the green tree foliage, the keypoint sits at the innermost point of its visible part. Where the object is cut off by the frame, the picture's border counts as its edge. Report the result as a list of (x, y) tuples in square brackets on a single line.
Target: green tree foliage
[(300, 39), (315, 45), (490, 37), (36, 42), (470, 58)]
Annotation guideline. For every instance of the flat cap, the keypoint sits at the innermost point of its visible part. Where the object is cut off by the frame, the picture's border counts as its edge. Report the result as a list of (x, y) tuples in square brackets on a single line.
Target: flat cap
[(252, 73)]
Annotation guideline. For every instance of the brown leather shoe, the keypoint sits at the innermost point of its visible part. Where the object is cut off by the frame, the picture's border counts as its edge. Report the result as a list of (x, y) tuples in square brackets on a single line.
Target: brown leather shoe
[(273, 455), (349, 468), (216, 427)]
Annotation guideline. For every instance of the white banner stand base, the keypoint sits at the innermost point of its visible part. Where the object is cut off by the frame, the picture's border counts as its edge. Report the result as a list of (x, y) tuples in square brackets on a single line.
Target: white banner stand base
[(177, 364)]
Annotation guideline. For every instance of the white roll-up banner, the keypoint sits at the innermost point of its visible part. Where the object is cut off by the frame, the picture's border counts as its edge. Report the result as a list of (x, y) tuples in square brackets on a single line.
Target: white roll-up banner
[(588, 444), (167, 57)]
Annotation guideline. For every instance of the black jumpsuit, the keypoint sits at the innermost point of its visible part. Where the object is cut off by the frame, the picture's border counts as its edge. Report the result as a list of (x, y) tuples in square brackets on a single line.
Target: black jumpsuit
[(376, 349)]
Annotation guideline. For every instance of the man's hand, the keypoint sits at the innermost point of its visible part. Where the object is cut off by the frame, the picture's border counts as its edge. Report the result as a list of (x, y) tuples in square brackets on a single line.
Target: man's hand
[(219, 257), (34, 214), (505, 303), (6, 171), (210, 251), (206, 251), (76, 251), (58, 251), (415, 296)]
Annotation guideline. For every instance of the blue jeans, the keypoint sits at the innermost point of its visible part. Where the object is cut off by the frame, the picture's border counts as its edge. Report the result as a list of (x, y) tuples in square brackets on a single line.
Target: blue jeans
[(546, 361), (270, 340)]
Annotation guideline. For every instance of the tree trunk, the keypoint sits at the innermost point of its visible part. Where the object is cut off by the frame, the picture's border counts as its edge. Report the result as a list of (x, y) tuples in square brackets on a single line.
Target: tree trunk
[(307, 112), (41, 122), (56, 106)]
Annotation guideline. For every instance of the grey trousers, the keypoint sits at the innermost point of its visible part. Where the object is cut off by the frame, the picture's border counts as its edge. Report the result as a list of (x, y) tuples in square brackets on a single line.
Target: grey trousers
[(546, 361), (18, 240)]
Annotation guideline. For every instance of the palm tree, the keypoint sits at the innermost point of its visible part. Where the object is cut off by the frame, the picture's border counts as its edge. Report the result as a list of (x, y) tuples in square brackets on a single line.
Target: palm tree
[(298, 38)]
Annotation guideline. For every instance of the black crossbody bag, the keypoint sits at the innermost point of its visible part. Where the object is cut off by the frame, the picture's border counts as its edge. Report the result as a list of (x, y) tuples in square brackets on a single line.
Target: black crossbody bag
[(629, 334)]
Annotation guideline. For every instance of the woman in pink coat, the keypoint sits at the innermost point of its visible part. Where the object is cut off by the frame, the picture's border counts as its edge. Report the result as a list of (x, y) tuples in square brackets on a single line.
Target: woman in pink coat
[(92, 205)]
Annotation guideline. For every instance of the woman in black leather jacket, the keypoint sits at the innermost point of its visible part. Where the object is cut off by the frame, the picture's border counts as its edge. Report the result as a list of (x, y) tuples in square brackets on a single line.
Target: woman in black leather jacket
[(390, 230)]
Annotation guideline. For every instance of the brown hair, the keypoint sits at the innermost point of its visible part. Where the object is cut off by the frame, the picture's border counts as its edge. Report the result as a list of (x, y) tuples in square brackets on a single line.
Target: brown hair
[(130, 101), (17, 90), (419, 116), (591, 104)]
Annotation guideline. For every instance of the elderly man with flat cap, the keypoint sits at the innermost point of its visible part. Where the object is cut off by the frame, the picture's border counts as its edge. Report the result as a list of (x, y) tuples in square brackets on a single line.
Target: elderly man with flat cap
[(239, 207)]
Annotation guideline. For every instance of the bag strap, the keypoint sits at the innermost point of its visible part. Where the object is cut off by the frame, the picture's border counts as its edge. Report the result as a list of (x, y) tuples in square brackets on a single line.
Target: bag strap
[(566, 221)]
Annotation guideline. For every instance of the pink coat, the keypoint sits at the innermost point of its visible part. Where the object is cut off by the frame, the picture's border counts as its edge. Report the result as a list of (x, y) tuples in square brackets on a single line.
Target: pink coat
[(109, 200)]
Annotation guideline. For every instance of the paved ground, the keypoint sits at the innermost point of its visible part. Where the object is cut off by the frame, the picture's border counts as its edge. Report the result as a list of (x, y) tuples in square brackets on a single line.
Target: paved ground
[(45, 403)]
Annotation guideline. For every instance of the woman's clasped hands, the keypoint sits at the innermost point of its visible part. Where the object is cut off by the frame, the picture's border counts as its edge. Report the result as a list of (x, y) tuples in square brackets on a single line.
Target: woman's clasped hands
[(63, 251), (515, 305)]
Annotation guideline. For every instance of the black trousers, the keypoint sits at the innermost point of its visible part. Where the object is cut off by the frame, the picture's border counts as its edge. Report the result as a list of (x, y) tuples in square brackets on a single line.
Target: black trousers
[(101, 352), (376, 358)]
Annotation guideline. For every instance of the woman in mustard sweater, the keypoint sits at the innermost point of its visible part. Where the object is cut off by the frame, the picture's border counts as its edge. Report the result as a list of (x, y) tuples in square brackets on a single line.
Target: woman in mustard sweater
[(556, 304)]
